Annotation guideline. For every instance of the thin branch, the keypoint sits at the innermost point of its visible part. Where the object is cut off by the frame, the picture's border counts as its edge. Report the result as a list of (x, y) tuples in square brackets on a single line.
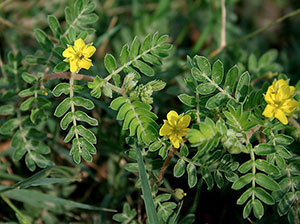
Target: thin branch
[(166, 164), (67, 75), (223, 31), (258, 31), (101, 49)]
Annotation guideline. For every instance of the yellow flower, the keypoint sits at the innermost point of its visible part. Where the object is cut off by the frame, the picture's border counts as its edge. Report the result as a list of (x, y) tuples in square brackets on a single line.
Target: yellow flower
[(78, 55), (175, 127), (279, 102)]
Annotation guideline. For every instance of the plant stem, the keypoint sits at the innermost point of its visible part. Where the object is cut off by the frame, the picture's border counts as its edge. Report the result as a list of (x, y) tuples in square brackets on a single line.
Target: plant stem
[(67, 75), (149, 204), (165, 165), (17, 211), (258, 31)]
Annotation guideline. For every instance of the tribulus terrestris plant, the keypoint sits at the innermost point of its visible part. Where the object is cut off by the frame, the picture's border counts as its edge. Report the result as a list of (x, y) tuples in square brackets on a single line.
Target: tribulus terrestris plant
[(65, 118)]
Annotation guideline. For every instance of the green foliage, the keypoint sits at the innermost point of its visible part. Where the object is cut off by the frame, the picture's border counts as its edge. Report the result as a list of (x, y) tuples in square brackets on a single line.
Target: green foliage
[(229, 142)]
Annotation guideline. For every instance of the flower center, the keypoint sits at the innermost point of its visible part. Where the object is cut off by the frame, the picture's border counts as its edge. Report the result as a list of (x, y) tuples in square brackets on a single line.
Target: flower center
[(79, 56)]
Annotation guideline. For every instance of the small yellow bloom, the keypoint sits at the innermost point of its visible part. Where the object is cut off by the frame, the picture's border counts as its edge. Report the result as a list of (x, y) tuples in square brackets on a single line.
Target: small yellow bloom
[(175, 127), (79, 55), (279, 102)]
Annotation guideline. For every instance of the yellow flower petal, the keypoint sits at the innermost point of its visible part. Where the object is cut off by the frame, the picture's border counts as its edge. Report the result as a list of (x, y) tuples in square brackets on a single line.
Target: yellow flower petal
[(280, 115), (79, 44), (269, 111), (74, 66), (289, 106), (172, 117), (268, 96), (89, 51), (166, 129), (184, 122), (85, 63), (175, 141), (69, 52), (183, 132)]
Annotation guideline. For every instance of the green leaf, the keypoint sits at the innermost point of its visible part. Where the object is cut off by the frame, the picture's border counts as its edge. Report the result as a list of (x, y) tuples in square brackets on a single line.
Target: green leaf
[(192, 175), (19, 153), (7, 110), (155, 146), (87, 134), (149, 204), (245, 167), (179, 168), (258, 209), (163, 152), (110, 63), (187, 100), (216, 101), (27, 104), (231, 78), (247, 209), (61, 67), (96, 87), (82, 116), (207, 177), (83, 102), (66, 120), (281, 150), (61, 88), (244, 197), (206, 88), (267, 58), (134, 49), (266, 182), (88, 19), (204, 65), (286, 203), (264, 196), (68, 15), (283, 139), (165, 210), (252, 63), (36, 198), (30, 162), (63, 107), (54, 26), (242, 87), (107, 91), (264, 149), (28, 78), (242, 181), (144, 68), (124, 54), (70, 134), (146, 43), (219, 179), (26, 92), (217, 72), (264, 166), (43, 39), (117, 103)]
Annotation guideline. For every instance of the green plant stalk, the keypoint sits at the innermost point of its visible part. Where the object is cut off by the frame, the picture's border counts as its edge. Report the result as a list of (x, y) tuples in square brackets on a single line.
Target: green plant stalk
[(13, 207), (149, 203)]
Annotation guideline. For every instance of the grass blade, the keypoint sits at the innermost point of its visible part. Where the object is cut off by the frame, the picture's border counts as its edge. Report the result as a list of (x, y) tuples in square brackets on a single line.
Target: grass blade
[(150, 208)]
